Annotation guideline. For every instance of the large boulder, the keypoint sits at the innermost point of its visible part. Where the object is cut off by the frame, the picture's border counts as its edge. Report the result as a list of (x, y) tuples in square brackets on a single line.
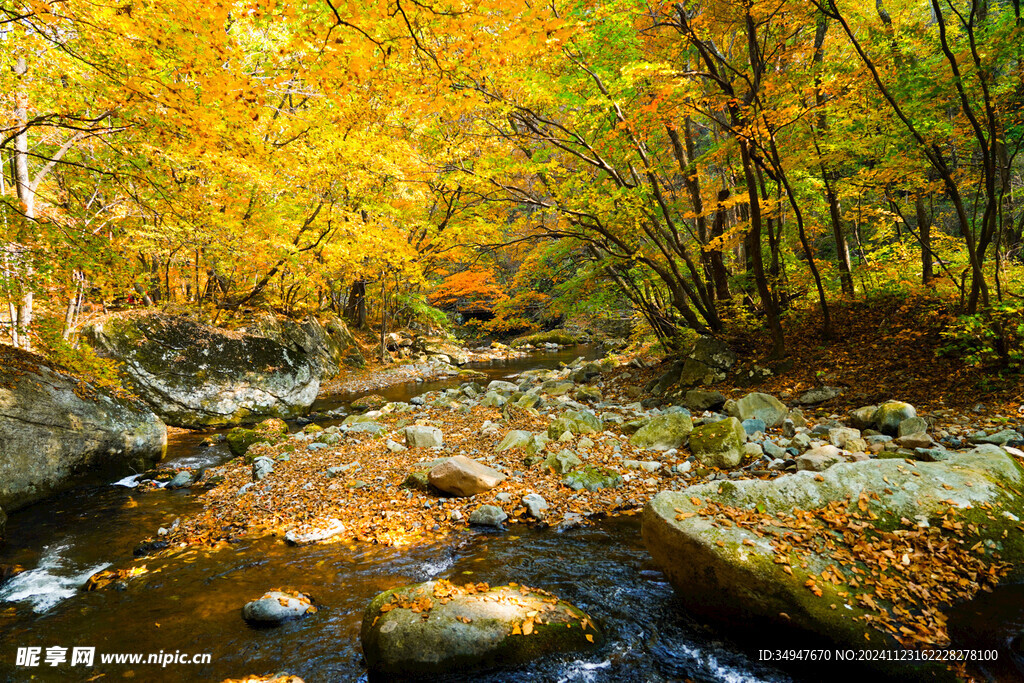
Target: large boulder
[(436, 628), (53, 426), (832, 553), (193, 375), (890, 414), (663, 432), (719, 444), (713, 353), (764, 407), (326, 341), (462, 476)]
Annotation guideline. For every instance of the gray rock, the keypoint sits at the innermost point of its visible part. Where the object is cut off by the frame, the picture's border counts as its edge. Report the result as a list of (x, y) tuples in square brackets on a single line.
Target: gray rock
[(181, 480), (487, 515), (592, 479), (467, 631), (234, 379), (773, 450), (713, 353), (819, 395), (535, 505), (819, 459), (752, 451), (763, 407), (699, 400), (846, 437), (864, 417), (913, 425), (462, 476), (500, 386), (492, 399), (919, 440), (420, 436), (575, 422), (516, 438), (53, 427), (277, 607), (801, 441), (1000, 438), (373, 428), (261, 467), (753, 426), (933, 454)]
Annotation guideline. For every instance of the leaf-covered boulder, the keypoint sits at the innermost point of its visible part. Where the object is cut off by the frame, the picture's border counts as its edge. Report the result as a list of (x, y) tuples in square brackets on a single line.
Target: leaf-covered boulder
[(836, 553), (437, 628), (277, 607), (53, 427), (193, 375)]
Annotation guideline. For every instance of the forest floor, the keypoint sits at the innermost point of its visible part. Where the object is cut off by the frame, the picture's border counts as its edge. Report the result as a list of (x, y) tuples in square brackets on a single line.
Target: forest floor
[(882, 348)]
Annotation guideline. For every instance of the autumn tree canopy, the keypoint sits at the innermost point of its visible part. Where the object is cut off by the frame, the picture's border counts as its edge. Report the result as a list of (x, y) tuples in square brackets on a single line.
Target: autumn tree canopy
[(700, 162)]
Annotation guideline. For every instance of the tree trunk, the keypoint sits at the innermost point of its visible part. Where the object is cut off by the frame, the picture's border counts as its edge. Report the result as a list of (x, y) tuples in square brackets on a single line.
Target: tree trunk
[(27, 197), (924, 231), (355, 307)]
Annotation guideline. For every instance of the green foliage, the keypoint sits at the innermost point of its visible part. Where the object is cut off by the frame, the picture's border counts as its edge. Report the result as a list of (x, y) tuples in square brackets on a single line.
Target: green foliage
[(993, 337), (414, 305), (79, 358)]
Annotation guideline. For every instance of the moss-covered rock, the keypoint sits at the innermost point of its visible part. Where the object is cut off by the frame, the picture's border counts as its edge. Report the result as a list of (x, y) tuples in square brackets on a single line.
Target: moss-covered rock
[(737, 572), (325, 340), (663, 432), (193, 375), (719, 444), (240, 439), (560, 337), (592, 479), (562, 461), (460, 630), (890, 414), (575, 422), (368, 402)]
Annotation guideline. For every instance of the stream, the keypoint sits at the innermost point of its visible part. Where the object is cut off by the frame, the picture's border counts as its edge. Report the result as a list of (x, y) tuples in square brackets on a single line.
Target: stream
[(193, 605)]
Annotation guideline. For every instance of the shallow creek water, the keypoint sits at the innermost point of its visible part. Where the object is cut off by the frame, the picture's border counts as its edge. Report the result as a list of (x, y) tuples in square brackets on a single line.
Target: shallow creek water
[(194, 606)]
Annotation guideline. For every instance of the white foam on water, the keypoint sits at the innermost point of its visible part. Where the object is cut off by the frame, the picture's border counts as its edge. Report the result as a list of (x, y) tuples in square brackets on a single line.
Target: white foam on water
[(720, 671), (436, 567), (583, 671), (130, 481), (55, 579)]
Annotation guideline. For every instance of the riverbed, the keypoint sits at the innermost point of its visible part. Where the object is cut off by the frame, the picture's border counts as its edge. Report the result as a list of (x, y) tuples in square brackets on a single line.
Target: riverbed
[(192, 605)]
